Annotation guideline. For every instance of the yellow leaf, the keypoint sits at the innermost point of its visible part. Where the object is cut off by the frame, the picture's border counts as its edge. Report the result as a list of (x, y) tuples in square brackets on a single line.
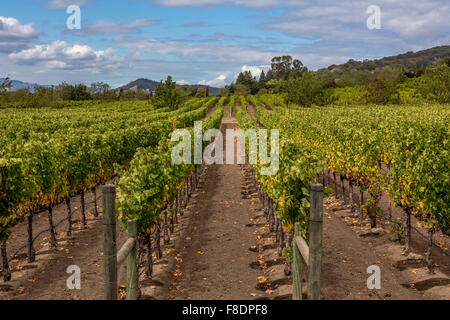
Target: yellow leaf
[(262, 279)]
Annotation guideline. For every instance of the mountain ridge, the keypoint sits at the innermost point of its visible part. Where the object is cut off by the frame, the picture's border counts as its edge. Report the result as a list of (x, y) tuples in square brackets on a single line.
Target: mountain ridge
[(410, 61)]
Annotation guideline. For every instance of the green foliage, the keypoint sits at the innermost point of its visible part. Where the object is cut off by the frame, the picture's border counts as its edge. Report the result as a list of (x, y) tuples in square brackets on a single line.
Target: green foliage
[(5, 85), (41, 98), (68, 92), (289, 187), (11, 185), (64, 151), (435, 84), (166, 95), (354, 141), (382, 91), (348, 96), (347, 74), (409, 91), (152, 180), (285, 67), (201, 93), (307, 90)]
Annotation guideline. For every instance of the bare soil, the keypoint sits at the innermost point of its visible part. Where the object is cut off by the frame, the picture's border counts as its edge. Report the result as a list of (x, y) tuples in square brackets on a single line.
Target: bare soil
[(222, 248)]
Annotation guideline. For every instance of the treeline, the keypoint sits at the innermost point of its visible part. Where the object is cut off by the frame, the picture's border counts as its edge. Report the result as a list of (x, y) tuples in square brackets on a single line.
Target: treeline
[(355, 72), (306, 88), (55, 96), (166, 94)]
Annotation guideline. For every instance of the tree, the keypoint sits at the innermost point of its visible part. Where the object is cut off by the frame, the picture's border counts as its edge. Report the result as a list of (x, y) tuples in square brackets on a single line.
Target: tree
[(5, 84), (100, 88), (69, 92), (142, 94), (127, 95), (382, 91), (201, 93), (435, 83), (241, 89), (167, 95), (224, 92), (307, 90), (246, 79), (285, 67), (262, 77)]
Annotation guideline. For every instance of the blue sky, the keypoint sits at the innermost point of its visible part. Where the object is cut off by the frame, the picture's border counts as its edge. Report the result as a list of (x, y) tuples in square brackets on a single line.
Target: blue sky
[(203, 41)]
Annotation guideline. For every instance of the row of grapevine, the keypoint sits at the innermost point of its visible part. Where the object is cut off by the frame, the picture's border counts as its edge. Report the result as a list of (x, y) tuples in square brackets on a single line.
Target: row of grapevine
[(45, 163), (402, 151), (289, 187), (152, 190)]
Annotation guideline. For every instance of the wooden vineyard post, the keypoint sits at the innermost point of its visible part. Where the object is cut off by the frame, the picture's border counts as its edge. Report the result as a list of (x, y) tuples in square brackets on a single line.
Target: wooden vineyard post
[(69, 218), (132, 264), (83, 210), (149, 270), (335, 185), (94, 195), (297, 293), (361, 202), (53, 242), (31, 250), (350, 184), (109, 242), (407, 229), (330, 182), (315, 242), (429, 251), (343, 188), (6, 271)]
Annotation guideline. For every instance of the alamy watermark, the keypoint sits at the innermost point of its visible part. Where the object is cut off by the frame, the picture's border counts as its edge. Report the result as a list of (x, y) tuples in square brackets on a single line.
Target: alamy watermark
[(74, 281), (213, 153), (74, 20), (374, 281), (374, 20)]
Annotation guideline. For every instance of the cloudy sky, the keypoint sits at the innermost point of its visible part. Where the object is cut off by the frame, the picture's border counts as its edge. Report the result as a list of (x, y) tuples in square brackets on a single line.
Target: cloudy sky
[(204, 41)]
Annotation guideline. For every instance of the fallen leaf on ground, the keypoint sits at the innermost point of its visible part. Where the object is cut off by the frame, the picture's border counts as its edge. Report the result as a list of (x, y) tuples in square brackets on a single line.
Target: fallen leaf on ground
[(262, 279)]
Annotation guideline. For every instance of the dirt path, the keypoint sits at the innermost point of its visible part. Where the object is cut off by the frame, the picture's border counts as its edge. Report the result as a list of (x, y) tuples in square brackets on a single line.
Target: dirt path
[(46, 277), (215, 251), (346, 258)]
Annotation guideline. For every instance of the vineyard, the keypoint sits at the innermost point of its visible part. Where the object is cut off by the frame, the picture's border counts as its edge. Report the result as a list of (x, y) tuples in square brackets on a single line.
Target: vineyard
[(383, 168)]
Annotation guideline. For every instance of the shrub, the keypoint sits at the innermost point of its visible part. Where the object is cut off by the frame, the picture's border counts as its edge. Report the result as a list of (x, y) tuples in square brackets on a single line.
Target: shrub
[(382, 91), (307, 90), (435, 84)]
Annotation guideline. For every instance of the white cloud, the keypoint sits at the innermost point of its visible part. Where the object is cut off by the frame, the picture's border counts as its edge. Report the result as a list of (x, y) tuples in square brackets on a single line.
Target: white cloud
[(62, 55), (15, 36), (214, 52), (246, 3), (255, 70), (405, 25), (182, 82), (217, 82), (109, 27), (63, 4)]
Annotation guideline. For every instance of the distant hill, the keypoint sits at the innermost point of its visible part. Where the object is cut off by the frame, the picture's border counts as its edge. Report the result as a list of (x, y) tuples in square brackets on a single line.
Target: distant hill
[(411, 61), (17, 85), (151, 85), (141, 84)]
